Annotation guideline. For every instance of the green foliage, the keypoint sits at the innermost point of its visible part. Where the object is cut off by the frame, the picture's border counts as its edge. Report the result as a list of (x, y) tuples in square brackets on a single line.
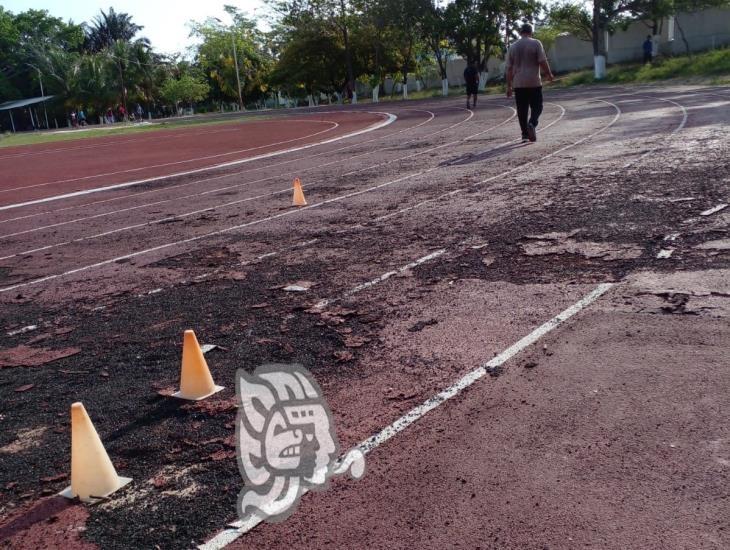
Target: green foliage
[(186, 89), (215, 57), (714, 65)]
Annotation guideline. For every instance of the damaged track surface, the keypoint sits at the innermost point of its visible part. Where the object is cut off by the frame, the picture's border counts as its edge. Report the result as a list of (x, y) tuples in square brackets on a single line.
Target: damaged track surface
[(516, 250)]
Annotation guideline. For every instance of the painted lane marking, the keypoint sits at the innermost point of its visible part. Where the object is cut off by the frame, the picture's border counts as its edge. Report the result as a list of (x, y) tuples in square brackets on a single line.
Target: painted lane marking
[(239, 528), (227, 188), (281, 215), (213, 178), (665, 253), (714, 210), (233, 228), (389, 120), (334, 126), (194, 212), (680, 126), (22, 330), (382, 278), (218, 206)]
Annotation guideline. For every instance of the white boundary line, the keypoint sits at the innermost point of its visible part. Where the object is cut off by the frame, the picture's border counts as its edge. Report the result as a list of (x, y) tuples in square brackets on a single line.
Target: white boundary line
[(334, 126), (239, 528), (222, 176), (281, 215), (389, 120), (218, 206), (239, 185), (382, 278)]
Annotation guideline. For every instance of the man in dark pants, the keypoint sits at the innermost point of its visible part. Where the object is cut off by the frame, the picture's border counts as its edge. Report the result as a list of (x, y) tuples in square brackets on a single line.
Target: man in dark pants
[(471, 77), (648, 48), (525, 58)]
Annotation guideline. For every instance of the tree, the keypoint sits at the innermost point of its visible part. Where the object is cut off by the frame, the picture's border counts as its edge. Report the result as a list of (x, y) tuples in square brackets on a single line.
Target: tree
[(216, 60), (434, 32), (108, 28), (185, 89), (334, 17), (475, 30), (311, 61)]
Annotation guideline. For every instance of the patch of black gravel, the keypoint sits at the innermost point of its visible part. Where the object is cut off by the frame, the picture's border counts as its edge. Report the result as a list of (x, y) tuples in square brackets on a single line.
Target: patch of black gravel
[(605, 209), (131, 351)]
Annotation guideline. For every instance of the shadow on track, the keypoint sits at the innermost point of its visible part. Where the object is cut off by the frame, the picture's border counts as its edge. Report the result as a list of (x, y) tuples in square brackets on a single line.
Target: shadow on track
[(479, 157)]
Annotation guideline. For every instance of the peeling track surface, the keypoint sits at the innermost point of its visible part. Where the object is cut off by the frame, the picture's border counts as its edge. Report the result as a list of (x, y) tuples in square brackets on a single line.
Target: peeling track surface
[(432, 245)]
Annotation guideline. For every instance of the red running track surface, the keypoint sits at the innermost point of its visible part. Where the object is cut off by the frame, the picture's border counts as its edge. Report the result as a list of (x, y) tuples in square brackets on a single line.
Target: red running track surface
[(41, 171)]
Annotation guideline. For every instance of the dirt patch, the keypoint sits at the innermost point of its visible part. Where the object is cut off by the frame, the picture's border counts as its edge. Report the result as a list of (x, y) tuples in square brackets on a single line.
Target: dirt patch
[(26, 356)]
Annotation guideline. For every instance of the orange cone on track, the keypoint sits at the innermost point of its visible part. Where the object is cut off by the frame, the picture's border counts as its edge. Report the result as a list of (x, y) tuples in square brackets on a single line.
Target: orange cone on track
[(299, 199), (92, 474), (196, 383)]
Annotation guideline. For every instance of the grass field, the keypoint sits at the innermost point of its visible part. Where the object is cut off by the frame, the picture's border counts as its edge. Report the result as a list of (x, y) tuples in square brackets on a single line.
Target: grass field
[(94, 131), (708, 68), (705, 68)]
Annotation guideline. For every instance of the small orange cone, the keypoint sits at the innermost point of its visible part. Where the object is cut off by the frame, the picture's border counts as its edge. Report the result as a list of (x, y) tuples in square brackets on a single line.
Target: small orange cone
[(93, 476), (299, 199), (196, 383)]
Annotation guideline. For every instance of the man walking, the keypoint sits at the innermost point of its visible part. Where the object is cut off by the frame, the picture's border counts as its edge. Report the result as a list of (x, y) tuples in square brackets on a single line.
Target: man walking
[(525, 58), (471, 77)]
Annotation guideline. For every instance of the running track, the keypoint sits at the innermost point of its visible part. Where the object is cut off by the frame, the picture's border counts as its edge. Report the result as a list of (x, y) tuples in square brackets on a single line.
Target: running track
[(411, 197)]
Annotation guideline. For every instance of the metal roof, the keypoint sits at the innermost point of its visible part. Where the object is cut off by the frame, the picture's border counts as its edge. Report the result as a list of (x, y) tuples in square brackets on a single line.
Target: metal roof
[(23, 102)]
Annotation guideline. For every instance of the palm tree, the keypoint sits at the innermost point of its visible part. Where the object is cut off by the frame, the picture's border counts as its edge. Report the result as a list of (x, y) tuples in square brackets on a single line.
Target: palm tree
[(107, 28), (113, 33)]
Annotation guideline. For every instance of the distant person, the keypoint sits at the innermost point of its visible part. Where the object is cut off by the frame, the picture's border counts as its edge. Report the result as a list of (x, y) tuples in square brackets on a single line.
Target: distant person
[(471, 77), (74, 122), (122, 113), (525, 58), (648, 47), (82, 117), (139, 112), (109, 116)]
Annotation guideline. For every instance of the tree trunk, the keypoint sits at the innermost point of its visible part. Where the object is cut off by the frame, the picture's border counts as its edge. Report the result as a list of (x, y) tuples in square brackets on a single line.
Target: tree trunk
[(596, 28), (348, 51)]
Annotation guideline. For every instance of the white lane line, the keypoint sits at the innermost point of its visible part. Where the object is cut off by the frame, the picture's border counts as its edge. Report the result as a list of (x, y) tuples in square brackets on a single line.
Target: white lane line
[(226, 537), (228, 204), (212, 233), (520, 167), (199, 211), (22, 330), (214, 178), (334, 126), (273, 217), (229, 229), (714, 210), (166, 135), (389, 120), (382, 278), (227, 188), (680, 126)]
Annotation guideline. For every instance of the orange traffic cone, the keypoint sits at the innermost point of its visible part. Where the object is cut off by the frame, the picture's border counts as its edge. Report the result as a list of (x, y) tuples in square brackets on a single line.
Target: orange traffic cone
[(196, 383), (299, 199), (93, 476)]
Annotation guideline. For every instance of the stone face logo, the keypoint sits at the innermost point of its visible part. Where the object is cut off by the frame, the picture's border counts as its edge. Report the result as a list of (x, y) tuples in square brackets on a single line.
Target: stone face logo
[(286, 441)]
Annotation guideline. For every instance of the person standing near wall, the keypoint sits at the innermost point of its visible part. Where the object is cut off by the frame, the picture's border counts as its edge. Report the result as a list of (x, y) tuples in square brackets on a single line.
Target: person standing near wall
[(525, 58), (471, 77), (648, 49)]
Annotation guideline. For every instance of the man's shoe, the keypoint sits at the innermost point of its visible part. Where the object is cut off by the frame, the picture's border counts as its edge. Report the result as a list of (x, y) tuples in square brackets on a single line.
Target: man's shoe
[(467, 105), (525, 138), (531, 133)]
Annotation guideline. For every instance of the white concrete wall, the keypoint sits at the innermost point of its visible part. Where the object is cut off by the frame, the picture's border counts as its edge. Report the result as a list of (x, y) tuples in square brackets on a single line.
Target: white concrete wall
[(704, 30)]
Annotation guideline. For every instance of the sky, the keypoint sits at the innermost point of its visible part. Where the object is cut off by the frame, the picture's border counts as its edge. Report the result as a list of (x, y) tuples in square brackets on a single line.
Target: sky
[(165, 23)]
